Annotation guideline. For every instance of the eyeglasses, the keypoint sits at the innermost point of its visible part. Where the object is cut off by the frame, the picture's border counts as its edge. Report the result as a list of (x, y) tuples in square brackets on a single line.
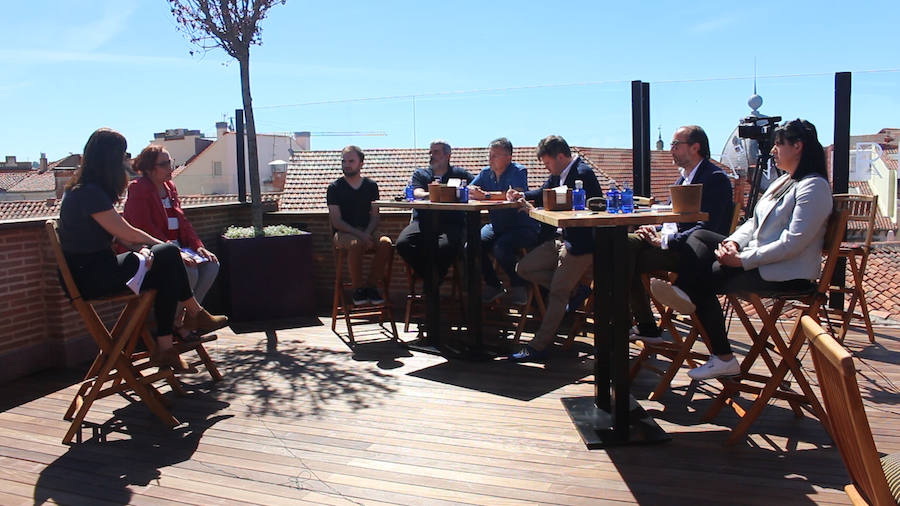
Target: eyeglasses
[(166, 163), (676, 142)]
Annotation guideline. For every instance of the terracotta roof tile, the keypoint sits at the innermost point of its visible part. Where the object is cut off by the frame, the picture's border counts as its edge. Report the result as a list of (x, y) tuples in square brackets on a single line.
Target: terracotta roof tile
[(310, 172), (890, 157), (881, 282), (23, 209), (10, 179), (35, 183)]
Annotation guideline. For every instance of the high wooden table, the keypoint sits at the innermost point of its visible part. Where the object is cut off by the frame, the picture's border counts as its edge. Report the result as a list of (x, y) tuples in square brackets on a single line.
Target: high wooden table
[(611, 417), (433, 341)]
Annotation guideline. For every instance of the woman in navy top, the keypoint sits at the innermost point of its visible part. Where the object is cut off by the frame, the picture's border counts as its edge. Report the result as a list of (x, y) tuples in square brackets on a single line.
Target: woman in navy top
[(88, 222)]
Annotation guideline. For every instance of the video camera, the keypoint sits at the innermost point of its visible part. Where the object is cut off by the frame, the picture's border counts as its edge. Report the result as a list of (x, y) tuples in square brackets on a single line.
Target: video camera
[(759, 129)]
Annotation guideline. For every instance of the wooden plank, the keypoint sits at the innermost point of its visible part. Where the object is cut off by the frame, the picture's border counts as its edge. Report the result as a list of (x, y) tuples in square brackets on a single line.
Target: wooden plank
[(318, 425)]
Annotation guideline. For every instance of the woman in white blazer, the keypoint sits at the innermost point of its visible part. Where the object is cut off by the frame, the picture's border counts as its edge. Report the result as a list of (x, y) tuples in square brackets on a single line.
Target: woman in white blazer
[(778, 249)]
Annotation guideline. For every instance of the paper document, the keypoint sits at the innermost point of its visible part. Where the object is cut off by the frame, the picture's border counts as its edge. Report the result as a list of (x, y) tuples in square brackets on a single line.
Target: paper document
[(135, 282), (197, 257), (561, 193)]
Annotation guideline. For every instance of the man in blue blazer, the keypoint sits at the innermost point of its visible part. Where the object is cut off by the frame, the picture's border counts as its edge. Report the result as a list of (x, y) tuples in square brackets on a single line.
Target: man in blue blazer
[(556, 264), (653, 248)]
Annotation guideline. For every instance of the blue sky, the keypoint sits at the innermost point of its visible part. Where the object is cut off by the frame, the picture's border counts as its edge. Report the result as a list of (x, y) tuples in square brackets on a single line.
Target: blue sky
[(480, 70)]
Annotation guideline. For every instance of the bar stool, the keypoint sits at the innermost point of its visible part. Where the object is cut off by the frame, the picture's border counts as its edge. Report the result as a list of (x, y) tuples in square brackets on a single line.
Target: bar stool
[(414, 296), (863, 209), (533, 307), (351, 313)]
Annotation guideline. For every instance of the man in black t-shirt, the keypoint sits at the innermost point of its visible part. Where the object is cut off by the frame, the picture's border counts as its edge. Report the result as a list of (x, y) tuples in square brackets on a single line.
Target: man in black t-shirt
[(354, 222), (450, 232)]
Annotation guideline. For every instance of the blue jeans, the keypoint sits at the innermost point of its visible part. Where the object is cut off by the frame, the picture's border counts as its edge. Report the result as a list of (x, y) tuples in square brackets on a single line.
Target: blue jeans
[(505, 248)]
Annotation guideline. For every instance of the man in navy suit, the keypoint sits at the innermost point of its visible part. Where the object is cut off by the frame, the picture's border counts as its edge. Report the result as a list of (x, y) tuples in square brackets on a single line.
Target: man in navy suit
[(662, 248), (556, 264)]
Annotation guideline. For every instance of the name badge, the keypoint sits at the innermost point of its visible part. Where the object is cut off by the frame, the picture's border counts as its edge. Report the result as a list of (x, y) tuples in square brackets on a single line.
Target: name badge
[(173, 223)]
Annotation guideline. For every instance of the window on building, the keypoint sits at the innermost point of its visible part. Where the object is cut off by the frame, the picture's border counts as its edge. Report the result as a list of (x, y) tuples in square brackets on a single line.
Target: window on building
[(217, 168)]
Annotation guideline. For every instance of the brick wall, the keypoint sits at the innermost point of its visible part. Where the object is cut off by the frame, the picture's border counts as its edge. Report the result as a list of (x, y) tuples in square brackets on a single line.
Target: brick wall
[(38, 327), (40, 330)]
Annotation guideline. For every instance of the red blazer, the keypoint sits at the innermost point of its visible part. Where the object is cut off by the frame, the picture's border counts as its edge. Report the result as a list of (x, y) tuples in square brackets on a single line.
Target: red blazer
[(144, 210)]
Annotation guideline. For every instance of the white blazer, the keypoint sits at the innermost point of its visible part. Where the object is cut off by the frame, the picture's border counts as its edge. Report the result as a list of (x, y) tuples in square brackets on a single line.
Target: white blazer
[(785, 241)]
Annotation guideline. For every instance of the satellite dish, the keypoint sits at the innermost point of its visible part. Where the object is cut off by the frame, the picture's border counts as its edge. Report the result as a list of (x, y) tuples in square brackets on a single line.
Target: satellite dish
[(734, 154)]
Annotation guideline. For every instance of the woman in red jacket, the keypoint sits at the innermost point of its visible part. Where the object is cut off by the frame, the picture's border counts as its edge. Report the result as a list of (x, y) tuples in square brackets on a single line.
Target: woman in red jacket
[(152, 205)]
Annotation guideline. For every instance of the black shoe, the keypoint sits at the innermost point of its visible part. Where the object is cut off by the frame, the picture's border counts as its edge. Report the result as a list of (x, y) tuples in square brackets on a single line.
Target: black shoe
[(360, 297), (529, 354), (374, 296)]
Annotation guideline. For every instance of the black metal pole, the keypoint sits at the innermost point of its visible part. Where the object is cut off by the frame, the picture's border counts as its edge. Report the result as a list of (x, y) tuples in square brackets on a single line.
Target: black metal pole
[(637, 117), (840, 167), (239, 140), (644, 188)]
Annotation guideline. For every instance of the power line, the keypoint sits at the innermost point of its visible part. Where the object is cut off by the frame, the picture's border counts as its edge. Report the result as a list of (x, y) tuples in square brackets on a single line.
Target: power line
[(437, 94)]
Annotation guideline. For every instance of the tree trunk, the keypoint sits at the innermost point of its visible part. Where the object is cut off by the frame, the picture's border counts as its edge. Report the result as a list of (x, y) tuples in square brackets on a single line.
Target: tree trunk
[(252, 157)]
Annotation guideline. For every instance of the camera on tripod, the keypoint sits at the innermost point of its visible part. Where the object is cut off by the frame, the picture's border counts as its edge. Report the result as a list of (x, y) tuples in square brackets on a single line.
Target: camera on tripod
[(759, 129), (762, 131)]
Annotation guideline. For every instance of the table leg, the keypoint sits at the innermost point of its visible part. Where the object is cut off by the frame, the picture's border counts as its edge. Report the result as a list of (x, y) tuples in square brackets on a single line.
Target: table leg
[(473, 277), (611, 418)]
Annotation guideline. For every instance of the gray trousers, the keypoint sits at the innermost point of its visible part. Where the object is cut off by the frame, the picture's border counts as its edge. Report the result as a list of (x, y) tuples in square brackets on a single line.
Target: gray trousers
[(201, 278)]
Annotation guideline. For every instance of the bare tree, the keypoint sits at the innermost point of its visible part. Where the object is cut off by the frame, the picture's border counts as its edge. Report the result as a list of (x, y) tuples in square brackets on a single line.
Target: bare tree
[(232, 25)]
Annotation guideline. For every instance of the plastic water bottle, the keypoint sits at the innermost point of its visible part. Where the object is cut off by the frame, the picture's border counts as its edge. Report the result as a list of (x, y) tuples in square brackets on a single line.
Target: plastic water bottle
[(627, 205), (410, 193), (462, 193), (578, 196), (612, 199)]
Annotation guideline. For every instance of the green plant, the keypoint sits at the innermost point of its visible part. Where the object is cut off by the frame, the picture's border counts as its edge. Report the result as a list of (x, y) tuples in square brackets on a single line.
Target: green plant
[(270, 231)]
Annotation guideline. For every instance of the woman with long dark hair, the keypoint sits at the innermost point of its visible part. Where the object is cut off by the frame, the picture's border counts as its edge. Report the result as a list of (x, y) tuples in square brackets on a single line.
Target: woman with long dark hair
[(778, 249), (88, 222)]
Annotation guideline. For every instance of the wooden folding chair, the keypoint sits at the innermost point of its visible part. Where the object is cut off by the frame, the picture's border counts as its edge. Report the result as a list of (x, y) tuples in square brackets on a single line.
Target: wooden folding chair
[(863, 209), (533, 308), (353, 314), (116, 363), (850, 430), (679, 351), (774, 385)]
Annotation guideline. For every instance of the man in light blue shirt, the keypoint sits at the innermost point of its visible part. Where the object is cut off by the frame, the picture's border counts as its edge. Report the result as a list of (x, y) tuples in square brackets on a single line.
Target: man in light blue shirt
[(509, 230)]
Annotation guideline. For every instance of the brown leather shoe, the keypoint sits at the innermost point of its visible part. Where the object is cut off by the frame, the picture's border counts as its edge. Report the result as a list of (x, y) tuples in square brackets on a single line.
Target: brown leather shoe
[(204, 322), (171, 358)]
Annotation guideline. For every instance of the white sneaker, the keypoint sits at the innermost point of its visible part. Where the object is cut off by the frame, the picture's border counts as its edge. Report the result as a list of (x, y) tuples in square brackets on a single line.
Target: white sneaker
[(518, 295), (715, 368), (672, 296), (491, 293)]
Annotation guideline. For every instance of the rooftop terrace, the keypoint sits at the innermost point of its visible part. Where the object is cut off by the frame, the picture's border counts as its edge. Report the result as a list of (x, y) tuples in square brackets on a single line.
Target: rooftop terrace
[(317, 423)]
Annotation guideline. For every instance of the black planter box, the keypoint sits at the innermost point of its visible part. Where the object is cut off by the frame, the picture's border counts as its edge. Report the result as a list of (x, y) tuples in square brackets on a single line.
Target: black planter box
[(268, 278)]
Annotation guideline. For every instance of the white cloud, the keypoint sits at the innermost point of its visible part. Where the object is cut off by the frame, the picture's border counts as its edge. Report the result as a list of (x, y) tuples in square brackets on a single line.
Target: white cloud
[(713, 25), (91, 35)]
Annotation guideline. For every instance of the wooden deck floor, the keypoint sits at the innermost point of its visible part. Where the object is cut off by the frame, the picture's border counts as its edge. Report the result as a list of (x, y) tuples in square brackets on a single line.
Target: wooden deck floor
[(317, 423)]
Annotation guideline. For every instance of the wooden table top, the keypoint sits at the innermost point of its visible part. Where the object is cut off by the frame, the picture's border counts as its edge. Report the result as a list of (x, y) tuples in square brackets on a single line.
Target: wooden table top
[(603, 219), (472, 205)]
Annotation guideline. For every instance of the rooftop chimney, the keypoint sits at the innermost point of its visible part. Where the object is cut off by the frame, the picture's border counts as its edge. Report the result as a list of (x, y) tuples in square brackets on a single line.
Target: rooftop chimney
[(221, 128), (43, 166), (302, 140), (10, 161)]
